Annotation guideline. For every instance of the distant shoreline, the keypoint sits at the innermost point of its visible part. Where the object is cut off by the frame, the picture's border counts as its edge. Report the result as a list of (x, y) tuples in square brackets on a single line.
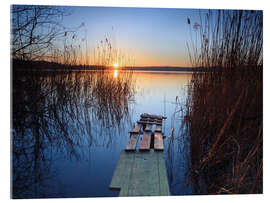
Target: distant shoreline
[(162, 68), (44, 65)]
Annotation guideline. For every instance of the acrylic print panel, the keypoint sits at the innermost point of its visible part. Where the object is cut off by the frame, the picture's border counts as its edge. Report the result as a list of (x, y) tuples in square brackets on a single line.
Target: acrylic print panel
[(125, 101)]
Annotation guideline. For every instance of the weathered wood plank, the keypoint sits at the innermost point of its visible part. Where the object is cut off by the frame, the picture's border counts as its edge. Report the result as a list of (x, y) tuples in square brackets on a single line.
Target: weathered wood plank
[(141, 174), (123, 170), (144, 119), (145, 176), (158, 128), (132, 143), (158, 141), (136, 129), (148, 122), (145, 115), (145, 142), (163, 180), (148, 128)]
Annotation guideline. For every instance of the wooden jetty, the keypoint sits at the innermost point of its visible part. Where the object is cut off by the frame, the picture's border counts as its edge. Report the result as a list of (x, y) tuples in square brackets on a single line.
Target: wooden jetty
[(142, 171)]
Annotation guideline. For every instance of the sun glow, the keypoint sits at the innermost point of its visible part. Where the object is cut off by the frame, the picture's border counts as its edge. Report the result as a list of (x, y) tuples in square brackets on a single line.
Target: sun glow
[(115, 65)]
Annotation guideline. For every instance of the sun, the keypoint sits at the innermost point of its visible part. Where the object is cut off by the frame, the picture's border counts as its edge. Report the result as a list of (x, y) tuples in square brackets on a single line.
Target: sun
[(115, 65)]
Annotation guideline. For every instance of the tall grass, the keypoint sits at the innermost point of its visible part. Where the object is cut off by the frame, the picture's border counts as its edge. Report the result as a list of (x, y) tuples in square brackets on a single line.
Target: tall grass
[(224, 107), (74, 50)]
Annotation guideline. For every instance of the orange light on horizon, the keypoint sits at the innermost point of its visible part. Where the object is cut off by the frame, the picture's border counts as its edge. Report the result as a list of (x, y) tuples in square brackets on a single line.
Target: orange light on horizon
[(115, 65)]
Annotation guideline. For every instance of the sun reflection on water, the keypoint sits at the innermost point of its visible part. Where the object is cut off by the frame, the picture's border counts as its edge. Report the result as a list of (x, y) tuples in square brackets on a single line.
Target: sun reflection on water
[(115, 73)]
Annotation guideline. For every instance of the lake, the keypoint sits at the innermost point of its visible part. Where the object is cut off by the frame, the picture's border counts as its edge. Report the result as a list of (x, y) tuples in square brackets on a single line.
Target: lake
[(68, 129)]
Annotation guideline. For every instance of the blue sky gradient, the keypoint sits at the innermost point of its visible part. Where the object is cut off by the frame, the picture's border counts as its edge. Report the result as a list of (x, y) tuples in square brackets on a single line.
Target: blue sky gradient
[(153, 36)]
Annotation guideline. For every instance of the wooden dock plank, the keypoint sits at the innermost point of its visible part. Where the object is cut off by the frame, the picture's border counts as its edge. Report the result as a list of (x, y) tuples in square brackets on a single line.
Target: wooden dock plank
[(163, 180), (158, 128), (145, 176), (158, 141), (145, 115), (136, 129), (148, 122), (148, 127), (143, 172), (123, 170), (145, 142), (131, 145)]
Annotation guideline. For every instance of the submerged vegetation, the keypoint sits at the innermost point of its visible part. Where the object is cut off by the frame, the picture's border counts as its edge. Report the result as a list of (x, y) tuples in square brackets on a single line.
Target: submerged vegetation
[(224, 118)]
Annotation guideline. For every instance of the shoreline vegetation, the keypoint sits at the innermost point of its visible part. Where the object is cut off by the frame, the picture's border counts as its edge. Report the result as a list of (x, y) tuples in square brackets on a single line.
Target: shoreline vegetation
[(224, 118)]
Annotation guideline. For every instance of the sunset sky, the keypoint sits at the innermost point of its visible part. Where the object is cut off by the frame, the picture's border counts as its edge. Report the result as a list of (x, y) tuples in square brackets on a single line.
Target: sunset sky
[(152, 36)]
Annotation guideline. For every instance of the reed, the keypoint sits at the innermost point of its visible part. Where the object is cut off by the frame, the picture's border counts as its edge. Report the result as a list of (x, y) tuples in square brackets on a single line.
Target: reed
[(74, 50), (224, 117)]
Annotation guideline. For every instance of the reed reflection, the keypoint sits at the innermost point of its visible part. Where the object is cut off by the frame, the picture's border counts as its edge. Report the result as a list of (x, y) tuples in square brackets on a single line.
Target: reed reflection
[(61, 114)]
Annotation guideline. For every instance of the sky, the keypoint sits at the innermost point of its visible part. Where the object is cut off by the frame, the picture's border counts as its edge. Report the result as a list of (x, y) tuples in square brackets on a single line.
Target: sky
[(151, 36)]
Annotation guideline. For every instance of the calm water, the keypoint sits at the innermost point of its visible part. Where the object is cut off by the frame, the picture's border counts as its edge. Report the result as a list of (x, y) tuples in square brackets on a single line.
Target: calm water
[(69, 129)]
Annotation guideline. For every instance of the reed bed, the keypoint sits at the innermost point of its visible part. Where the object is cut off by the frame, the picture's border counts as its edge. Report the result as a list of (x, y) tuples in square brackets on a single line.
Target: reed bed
[(224, 118), (75, 51)]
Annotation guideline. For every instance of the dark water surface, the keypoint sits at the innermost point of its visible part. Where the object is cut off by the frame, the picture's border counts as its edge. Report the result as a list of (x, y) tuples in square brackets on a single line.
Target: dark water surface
[(69, 129)]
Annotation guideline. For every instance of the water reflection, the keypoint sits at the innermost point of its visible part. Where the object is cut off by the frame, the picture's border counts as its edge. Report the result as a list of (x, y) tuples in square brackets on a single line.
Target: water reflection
[(62, 114), (115, 73), (69, 129), (166, 93)]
